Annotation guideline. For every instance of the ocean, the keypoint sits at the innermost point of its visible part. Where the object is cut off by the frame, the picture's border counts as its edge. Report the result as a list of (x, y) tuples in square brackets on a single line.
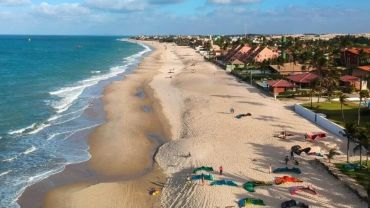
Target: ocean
[(50, 90)]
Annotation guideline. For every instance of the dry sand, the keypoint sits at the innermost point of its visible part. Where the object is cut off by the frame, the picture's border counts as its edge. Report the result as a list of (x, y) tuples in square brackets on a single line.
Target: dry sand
[(244, 147)]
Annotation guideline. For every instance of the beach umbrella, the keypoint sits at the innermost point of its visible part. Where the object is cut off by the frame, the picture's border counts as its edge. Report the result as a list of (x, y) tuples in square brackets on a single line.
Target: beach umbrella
[(203, 168)]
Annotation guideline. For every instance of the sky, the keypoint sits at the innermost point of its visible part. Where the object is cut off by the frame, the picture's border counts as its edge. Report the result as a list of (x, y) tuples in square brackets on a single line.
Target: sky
[(185, 17)]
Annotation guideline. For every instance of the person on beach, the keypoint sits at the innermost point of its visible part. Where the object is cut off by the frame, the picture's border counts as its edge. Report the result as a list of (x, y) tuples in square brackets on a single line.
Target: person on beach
[(202, 178), (189, 155), (270, 169), (286, 160), (291, 155), (232, 110), (221, 169)]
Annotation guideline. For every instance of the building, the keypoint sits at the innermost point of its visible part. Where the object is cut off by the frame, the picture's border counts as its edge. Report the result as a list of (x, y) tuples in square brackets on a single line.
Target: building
[(291, 68), (361, 71), (279, 86), (238, 52), (264, 54), (358, 59), (354, 57), (348, 80), (246, 54), (303, 80)]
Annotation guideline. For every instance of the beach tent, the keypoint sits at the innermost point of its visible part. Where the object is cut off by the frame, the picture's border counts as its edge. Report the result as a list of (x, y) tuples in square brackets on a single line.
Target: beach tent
[(246, 201), (287, 170), (249, 186), (293, 203), (286, 179), (208, 177), (307, 189), (203, 168), (224, 182)]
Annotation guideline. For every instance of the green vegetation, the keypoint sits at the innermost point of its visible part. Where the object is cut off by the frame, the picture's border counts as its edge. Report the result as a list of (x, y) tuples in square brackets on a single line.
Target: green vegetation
[(362, 176), (333, 111)]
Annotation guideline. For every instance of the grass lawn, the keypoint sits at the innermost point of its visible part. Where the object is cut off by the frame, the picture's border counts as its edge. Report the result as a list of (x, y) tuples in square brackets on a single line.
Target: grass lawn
[(362, 176), (333, 112)]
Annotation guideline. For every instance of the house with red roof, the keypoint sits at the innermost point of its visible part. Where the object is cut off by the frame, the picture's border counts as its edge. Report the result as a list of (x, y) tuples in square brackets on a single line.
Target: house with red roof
[(246, 53), (240, 53), (265, 54), (361, 71), (353, 57), (291, 68), (303, 80), (279, 86), (359, 59), (348, 80)]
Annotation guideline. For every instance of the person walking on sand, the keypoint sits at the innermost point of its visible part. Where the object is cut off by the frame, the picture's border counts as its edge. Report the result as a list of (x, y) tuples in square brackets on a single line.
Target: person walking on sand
[(286, 160), (232, 110), (202, 178), (221, 169), (270, 169)]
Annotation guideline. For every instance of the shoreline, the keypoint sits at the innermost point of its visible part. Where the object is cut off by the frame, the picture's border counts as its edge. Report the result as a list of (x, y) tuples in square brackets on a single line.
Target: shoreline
[(95, 172)]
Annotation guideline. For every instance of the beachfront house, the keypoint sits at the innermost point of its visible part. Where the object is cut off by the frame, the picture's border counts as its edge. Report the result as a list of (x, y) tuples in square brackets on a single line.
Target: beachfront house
[(303, 80), (291, 68), (277, 87), (237, 63), (265, 53), (238, 53)]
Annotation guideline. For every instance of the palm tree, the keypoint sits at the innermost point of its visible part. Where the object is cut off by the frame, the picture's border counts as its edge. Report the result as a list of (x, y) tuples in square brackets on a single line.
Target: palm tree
[(342, 101), (329, 83), (363, 94), (362, 140), (349, 132)]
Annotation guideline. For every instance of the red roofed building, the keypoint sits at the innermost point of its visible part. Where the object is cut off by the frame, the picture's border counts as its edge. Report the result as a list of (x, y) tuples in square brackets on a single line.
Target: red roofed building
[(348, 80), (238, 53), (358, 58), (279, 86), (354, 57), (303, 80), (362, 71)]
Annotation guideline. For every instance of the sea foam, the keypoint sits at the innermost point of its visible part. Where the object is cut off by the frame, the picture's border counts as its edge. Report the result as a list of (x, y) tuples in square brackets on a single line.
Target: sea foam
[(30, 150), (5, 173), (68, 95)]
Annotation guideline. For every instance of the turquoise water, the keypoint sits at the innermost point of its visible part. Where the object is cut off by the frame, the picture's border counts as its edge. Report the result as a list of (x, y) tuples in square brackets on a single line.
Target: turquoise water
[(50, 88)]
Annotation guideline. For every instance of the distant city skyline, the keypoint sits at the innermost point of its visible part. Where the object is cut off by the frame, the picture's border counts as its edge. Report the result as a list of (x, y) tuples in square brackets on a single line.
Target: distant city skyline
[(183, 17)]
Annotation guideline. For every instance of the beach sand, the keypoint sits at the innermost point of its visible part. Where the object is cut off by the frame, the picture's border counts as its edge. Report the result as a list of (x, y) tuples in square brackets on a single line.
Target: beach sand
[(244, 147), (190, 99)]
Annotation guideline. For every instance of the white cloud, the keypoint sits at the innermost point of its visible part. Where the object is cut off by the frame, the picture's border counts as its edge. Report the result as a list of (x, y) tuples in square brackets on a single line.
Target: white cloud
[(117, 5), (60, 10), (232, 1), (127, 5), (14, 2)]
